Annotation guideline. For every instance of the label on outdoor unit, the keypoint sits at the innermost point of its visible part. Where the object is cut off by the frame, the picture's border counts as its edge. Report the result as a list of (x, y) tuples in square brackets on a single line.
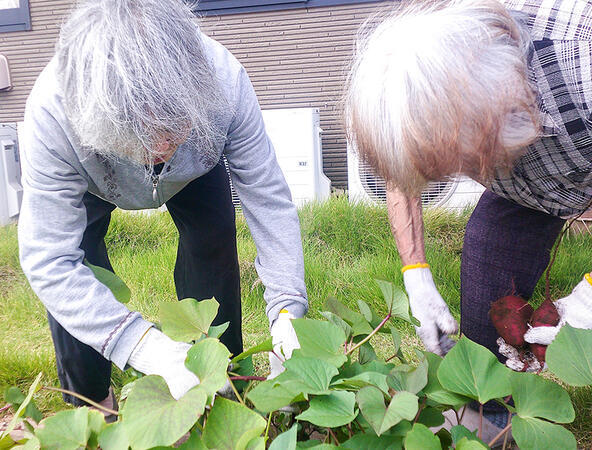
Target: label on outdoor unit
[(11, 177)]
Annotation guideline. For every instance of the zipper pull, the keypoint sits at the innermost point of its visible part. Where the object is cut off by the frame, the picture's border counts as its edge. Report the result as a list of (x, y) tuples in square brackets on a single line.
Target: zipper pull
[(154, 186)]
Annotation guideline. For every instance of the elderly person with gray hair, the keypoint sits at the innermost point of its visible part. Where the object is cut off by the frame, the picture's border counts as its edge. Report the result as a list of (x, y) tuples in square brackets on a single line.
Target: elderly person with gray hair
[(501, 92), (136, 110)]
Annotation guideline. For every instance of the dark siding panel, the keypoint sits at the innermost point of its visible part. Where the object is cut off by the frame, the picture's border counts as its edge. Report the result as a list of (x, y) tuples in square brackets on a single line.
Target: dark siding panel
[(299, 58), (296, 58)]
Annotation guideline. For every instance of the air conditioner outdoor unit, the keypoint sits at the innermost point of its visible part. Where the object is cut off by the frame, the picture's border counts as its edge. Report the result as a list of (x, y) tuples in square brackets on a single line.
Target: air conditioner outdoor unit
[(11, 190), (296, 137), (454, 193)]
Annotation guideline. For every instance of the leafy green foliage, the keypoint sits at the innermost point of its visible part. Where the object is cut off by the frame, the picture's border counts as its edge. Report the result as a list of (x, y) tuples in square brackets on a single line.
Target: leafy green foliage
[(537, 434), (333, 410), (570, 356), (71, 429), (265, 346), (531, 393), (421, 438), (232, 426), (152, 417), (335, 386), (16, 398), (402, 406), (470, 369), (208, 359), (397, 302), (329, 348), (187, 320)]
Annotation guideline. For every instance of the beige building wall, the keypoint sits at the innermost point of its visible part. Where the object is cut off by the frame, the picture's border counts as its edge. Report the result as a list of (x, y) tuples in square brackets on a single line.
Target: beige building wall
[(295, 58), (28, 52)]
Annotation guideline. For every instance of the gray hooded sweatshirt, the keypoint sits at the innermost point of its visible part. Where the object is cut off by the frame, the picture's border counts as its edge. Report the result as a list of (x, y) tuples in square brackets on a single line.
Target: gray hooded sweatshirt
[(57, 172)]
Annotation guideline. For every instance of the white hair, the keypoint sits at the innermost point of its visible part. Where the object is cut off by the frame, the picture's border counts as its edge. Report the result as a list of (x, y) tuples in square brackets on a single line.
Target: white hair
[(439, 88), (133, 70)]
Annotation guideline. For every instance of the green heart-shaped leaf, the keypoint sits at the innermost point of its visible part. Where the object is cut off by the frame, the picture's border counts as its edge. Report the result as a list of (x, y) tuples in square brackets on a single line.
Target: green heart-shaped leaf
[(434, 389), (397, 302), (329, 348), (285, 440), (70, 429), (152, 417), (413, 380), (570, 356), (333, 410), (421, 438), (537, 434), (315, 374), (536, 397), (231, 425), (208, 359), (403, 406), (115, 284), (369, 441), (470, 369), (187, 320)]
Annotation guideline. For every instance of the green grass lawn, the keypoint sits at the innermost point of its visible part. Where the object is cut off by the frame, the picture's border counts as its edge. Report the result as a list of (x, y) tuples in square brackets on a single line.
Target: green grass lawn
[(346, 247)]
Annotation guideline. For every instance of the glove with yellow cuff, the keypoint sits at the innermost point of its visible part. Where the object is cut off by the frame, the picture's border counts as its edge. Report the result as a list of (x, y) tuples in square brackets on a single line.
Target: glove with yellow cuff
[(575, 310), (428, 306)]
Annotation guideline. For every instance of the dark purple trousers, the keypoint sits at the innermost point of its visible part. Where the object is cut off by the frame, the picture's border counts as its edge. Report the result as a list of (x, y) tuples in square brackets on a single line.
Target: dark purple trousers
[(506, 250)]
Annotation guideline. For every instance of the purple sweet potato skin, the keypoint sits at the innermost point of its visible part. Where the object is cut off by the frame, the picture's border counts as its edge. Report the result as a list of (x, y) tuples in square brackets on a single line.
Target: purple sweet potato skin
[(545, 315), (510, 316)]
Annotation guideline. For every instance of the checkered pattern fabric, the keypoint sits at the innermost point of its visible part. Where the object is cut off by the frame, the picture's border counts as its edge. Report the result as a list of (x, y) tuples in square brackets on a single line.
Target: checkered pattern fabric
[(555, 174)]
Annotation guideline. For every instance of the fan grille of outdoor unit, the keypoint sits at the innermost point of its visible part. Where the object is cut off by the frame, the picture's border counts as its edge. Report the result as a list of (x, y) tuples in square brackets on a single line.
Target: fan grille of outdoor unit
[(376, 189)]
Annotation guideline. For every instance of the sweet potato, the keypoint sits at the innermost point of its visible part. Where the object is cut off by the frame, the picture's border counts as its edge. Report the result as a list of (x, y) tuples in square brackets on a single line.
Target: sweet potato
[(545, 315), (510, 317)]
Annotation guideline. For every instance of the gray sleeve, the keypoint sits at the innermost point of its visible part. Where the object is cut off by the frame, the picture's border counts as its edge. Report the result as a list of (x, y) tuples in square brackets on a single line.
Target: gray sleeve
[(271, 216), (51, 225)]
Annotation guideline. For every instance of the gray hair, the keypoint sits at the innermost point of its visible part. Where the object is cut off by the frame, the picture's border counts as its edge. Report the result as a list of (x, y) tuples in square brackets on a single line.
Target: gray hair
[(439, 88), (132, 70)]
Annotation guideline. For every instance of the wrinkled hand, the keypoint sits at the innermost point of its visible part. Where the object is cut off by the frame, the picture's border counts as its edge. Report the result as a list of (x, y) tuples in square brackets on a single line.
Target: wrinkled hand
[(525, 362), (157, 354), (430, 309), (575, 309), (284, 341)]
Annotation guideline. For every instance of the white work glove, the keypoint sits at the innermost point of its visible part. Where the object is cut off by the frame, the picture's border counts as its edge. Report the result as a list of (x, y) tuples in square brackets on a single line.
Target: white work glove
[(575, 309), (430, 309), (157, 354), (284, 341)]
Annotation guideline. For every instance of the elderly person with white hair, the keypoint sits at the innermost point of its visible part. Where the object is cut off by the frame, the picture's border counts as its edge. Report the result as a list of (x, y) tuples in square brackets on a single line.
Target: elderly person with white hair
[(137, 109), (501, 92)]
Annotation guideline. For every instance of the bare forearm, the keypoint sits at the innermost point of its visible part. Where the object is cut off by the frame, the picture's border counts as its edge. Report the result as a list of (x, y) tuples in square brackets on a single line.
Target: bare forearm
[(406, 220)]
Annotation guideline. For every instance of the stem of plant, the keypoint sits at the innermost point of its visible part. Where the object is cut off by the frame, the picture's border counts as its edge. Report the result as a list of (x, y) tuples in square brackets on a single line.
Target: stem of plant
[(423, 402), (81, 397), (359, 426), (240, 399), (267, 427), (333, 436), (247, 378), (198, 425), (367, 338), (4, 408), (480, 421), (500, 434)]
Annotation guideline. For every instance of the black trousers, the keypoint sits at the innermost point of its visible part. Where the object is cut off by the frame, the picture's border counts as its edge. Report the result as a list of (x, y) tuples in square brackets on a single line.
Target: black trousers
[(505, 251), (206, 266)]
